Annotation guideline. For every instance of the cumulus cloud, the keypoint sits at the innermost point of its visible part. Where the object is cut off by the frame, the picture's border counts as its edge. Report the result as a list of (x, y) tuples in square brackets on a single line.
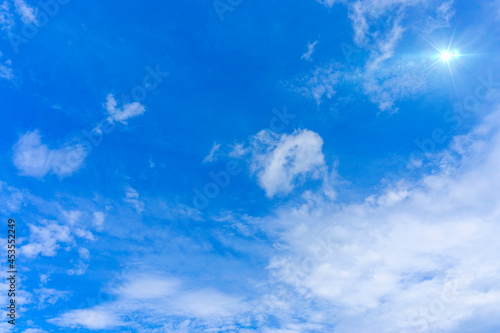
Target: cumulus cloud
[(418, 257), (128, 110), (282, 161), (35, 159)]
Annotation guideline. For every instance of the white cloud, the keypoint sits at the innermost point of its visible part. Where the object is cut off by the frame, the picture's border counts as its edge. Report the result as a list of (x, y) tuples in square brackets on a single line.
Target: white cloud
[(400, 80), (128, 110), (373, 18), (46, 296), (72, 216), (164, 299), (85, 234), (88, 318), (158, 287), (280, 162), (321, 83), (44, 278), (378, 27), (11, 199), (47, 237), (238, 150), (329, 3), (212, 156), (397, 80), (79, 269), (385, 47), (6, 17), (32, 158), (444, 14), (310, 51), (99, 218), (44, 239), (419, 257), (84, 253), (132, 197), (172, 211), (28, 13), (6, 71)]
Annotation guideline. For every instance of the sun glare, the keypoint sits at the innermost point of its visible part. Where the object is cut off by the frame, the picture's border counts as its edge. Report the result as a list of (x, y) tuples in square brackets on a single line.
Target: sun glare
[(445, 56), (448, 55)]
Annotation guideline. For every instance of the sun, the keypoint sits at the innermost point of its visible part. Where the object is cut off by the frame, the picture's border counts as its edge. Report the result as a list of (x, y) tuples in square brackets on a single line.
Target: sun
[(448, 55), (445, 55)]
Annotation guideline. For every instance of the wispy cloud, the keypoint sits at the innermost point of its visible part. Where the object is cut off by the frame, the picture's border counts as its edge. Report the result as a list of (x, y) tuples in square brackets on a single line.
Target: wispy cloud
[(310, 51), (93, 319), (385, 48), (164, 301), (212, 156), (11, 198), (378, 28), (444, 14)]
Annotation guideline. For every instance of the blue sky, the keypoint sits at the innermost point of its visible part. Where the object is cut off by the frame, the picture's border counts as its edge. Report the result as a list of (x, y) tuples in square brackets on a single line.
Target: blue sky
[(238, 166)]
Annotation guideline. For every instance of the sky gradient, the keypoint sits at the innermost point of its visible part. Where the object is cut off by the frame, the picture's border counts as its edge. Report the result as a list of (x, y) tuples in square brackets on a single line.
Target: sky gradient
[(243, 166)]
